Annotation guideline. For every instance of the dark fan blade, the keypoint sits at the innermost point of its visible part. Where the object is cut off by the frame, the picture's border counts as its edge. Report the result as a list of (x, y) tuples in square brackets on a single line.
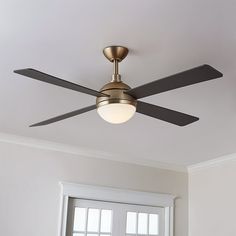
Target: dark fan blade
[(182, 79), (35, 74), (65, 116), (165, 114)]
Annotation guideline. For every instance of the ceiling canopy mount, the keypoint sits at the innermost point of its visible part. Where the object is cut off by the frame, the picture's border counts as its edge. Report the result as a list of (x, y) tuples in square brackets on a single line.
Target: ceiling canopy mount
[(117, 53)]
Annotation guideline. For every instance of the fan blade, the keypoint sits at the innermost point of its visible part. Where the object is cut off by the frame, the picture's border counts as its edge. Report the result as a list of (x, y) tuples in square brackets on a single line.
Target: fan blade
[(38, 75), (165, 114), (182, 79), (64, 116)]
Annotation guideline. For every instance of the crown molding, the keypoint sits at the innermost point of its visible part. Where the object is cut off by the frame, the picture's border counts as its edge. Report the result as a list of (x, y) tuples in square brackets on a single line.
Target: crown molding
[(211, 163), (85, 152)]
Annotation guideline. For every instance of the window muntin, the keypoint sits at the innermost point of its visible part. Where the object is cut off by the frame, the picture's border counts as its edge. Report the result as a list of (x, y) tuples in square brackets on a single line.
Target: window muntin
[(139, 223), (99, 218), (92, 221)]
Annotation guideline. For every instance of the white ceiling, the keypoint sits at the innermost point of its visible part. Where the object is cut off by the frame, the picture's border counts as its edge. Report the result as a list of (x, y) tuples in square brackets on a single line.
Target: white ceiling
[(66, 38)]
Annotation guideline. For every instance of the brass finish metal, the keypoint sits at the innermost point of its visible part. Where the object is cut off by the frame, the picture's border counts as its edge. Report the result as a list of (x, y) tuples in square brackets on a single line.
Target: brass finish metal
[(116, 76), (115, 67), (116, 92), (113, 53), (115, 89), (114, 85)]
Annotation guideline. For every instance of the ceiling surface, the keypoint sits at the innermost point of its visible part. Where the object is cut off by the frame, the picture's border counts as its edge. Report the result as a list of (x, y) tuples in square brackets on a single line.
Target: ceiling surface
[(66, 38)]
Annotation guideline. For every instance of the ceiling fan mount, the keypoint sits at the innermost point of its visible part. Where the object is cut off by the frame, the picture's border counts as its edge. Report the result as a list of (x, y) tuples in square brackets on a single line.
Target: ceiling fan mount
[(116, 88), (116, 102), (117, 53)]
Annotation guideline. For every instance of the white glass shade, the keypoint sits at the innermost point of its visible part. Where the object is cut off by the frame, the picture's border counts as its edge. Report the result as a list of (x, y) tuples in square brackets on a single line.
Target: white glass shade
[(116, 113)]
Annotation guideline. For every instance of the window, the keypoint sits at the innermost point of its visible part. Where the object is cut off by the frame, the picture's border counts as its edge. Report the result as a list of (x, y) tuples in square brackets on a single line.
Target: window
[(99, 218), (115, 212)]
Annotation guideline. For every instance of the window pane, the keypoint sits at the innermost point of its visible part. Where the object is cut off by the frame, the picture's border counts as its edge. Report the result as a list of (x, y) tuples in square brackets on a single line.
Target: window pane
[(93, 219), (131, 222), (153, 224), (142, 223), (79, 219), (105, 235), (77, 234), (106, 221)]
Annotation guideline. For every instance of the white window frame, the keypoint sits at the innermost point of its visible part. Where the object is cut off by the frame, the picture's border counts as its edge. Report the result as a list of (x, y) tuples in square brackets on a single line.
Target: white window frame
[(108, 194)]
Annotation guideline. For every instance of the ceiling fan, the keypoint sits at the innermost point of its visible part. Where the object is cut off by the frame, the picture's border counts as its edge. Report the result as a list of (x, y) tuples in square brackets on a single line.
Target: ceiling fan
[(116, 102)]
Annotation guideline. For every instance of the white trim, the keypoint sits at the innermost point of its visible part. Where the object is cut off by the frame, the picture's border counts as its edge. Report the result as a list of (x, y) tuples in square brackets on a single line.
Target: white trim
[(116, 195), (169, 221), (63, 215), (85, 152), (211, 163)]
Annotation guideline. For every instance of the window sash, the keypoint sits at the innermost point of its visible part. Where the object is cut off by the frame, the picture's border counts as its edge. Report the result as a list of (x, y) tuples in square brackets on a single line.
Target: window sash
[(119, 216)]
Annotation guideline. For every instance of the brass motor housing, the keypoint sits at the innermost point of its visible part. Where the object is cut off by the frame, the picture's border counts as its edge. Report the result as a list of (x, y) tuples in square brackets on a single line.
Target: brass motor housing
[(117, 95)]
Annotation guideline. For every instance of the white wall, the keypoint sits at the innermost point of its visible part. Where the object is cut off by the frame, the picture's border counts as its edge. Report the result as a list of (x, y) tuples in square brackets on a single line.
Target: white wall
[(29, 190), (212, 200)]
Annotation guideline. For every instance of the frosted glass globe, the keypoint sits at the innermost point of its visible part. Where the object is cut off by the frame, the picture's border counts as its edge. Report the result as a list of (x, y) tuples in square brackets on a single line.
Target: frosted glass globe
[(116, 113)]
